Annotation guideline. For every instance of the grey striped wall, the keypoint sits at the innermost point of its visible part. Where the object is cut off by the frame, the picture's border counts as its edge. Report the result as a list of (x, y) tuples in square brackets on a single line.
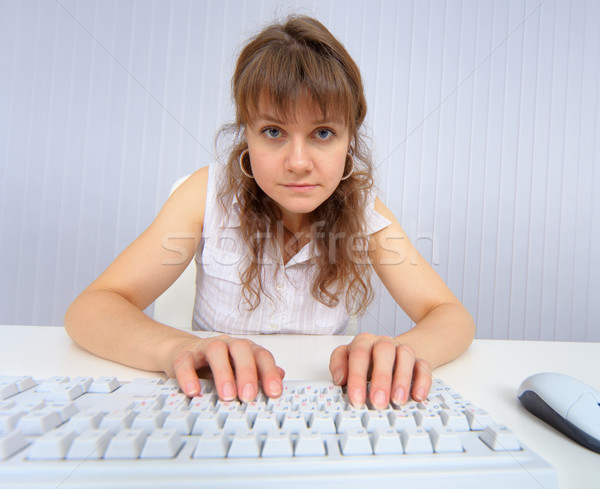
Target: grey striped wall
[(485, 119)]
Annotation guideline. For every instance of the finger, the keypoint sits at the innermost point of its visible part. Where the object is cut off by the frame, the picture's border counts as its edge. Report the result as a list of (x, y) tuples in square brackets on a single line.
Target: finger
[(185, 373), (242, 357), (384, 358), (281, 372), (338, 364), (270, 374), (359, 360), (217, 356), (421, 380), (403, 374)]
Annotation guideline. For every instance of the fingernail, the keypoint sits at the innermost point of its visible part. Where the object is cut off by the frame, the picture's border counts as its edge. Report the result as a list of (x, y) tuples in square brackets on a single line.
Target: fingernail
[(358, 398), (398, 397), (248, 393), (379, 399), (420, 395), (228, 391), (338, 377), (275, 388), (192, 389)]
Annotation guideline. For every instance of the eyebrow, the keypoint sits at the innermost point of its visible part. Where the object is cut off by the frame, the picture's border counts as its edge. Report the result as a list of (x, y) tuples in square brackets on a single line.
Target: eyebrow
[(273, 118)]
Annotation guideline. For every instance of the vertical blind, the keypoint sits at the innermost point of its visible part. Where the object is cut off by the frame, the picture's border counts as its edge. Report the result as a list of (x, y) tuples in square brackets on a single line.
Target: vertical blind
[(484, 117)]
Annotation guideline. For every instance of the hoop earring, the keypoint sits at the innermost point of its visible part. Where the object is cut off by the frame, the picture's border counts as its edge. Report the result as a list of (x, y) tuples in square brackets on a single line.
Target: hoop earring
[(241, 160), (345, 177)]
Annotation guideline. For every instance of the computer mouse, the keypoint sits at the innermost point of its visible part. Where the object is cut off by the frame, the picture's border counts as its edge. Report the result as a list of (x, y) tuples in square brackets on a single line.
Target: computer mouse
[(567, 404)]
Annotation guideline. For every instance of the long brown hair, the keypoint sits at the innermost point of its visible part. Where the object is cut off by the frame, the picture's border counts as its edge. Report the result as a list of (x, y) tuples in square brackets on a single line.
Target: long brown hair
[(292, 62)]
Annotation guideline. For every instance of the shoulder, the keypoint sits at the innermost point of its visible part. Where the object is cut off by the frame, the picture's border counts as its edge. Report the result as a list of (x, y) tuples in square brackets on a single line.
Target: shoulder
[(383, 237), (188, 198), (377, 215), (382, 209), (195, 182)]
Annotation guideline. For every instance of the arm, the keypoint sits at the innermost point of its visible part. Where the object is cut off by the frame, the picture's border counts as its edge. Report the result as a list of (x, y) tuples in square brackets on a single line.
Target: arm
[(107, 318), (443, 327)]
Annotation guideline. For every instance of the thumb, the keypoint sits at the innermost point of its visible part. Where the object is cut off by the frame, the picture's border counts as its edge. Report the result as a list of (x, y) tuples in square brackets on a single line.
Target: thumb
[(338, 365), (185, 373)]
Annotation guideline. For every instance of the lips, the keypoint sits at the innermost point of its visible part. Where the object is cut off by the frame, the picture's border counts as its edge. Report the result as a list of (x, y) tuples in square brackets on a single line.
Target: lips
[(300, 187)]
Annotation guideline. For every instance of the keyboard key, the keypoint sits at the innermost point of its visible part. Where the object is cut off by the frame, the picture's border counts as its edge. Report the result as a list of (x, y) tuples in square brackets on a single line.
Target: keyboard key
[(454, 419), (126, 443), (212, 444), (347, 420), (427, 419), (85, 420), (277, 444), (10, 417), (163, 443), (66, 410), (386, 441), (8, 389), (372, 420), (280, 410), (180, 421), (149, 421), (225, 408), (91, 444), (50, 384), (23, 382), (176, 402), (205, 421), (118, 419), (355, 442), (7, 405), (235, 421), (265, 423), (309, 444), (66, 391), (416, 440), (499, 438), (11, 443), (322, 422), (39, 422), (445, 440), (104, 385), (54, 445), (203, 402), (478, 418), (150, 402), (401, 420), (293, 422), (244, 444), (84, 382)]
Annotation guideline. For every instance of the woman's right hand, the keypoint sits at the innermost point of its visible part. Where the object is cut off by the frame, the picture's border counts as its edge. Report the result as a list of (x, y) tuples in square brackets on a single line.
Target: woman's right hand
[(236, 364)]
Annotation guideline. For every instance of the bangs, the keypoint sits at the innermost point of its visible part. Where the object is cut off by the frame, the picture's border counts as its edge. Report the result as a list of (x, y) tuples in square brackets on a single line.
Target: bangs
[(288, 76)]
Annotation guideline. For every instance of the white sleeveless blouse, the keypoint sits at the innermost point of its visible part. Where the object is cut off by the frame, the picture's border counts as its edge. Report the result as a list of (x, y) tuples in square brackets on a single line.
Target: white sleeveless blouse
[(288, 305)]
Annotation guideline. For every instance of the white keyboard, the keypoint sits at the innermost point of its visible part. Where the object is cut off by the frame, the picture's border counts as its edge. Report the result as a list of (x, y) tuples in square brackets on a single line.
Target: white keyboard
[(88, 432)]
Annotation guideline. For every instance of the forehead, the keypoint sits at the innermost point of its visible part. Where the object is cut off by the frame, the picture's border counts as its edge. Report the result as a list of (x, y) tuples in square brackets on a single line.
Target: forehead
[(305, 109)]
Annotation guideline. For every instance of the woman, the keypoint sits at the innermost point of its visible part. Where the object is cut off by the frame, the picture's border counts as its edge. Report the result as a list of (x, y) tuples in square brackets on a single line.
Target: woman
[(285, 234)]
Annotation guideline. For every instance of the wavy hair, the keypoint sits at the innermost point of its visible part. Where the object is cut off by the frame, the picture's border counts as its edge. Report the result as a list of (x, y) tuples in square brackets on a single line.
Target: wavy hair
[(289, 63)]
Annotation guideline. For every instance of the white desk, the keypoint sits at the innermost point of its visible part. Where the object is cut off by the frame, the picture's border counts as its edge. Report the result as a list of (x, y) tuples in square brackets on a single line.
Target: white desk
[(488, 374)]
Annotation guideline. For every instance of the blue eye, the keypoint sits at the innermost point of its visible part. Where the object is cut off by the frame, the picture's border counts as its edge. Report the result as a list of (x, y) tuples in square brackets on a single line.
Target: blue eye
[(324, 133), (272, 132)]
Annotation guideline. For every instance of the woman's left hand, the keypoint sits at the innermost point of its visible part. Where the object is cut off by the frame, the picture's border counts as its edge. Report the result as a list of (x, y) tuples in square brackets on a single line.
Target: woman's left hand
[(391, 367)]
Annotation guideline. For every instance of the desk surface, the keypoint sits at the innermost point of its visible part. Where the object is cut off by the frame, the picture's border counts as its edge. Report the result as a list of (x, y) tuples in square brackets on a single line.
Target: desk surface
[(488, 374)]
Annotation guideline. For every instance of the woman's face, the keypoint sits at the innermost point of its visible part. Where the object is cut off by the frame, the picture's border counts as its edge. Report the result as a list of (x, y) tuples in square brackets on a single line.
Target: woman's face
[(298, 163)]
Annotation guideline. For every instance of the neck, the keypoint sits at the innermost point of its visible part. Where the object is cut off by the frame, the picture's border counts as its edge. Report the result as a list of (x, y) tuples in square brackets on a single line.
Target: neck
[(296, 223), (291, 240)]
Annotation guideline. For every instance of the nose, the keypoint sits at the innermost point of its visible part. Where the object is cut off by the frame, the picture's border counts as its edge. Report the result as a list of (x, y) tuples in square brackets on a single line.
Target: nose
[(298, 159)]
